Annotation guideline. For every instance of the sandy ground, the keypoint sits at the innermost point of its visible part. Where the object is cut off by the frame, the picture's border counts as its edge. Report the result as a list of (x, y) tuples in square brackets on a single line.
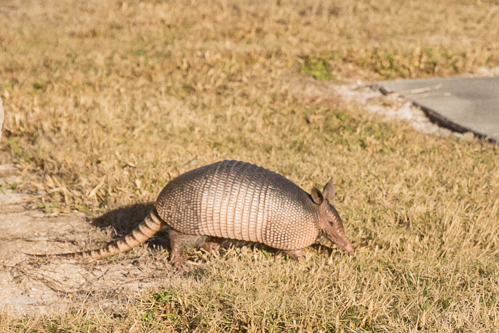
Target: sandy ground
[(366, 96), (52, 285), (47, 285)]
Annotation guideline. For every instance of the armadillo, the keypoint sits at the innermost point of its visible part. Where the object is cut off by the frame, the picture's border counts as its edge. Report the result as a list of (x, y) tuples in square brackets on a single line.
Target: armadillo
[(240, 201)]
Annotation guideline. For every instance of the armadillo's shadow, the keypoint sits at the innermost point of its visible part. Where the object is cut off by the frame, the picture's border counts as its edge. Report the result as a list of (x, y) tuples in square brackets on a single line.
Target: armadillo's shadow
[(123, 220)]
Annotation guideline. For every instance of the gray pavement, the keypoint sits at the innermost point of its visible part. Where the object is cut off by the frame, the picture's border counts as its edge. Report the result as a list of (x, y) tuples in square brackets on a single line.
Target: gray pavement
[(461, 104)]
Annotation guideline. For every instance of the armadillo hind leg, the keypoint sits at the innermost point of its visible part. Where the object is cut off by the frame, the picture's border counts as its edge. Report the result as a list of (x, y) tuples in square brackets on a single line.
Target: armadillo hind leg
[(295, 254), (178, 241)]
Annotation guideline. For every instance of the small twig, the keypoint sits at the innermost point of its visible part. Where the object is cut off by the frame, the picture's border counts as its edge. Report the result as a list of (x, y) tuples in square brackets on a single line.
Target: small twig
[(94, 191)]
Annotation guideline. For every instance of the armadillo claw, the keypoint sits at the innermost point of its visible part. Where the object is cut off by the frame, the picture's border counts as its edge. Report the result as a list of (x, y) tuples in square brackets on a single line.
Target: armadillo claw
[(177, 260)]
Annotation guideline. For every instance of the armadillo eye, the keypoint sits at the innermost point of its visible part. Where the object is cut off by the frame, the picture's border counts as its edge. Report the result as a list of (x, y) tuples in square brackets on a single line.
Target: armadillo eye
[(331, 223)]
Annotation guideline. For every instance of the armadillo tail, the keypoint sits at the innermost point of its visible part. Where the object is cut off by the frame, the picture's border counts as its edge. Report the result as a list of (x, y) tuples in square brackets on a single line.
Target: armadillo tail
[(151, 225)]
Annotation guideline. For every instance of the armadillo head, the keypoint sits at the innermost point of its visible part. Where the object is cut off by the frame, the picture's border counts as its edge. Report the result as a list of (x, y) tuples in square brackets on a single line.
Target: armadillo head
[(329, 220)]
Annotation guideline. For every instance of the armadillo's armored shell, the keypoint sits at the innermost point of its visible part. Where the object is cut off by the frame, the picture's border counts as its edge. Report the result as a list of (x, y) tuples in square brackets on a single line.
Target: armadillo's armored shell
[(238, 200)]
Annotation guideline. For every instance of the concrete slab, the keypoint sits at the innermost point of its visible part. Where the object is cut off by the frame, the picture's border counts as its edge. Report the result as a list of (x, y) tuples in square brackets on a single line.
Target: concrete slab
[(461, 104)]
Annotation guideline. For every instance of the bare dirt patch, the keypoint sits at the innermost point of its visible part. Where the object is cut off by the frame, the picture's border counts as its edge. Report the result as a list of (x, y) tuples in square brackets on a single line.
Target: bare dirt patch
[(49, 285), (365, 96)]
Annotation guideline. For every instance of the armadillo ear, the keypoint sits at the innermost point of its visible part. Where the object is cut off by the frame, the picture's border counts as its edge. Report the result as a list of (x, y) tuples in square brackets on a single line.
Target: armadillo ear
[(317, 196), (329, 190)]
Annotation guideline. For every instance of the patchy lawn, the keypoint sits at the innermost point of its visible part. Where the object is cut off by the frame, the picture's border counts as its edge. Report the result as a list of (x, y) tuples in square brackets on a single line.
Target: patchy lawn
[(107, 101)]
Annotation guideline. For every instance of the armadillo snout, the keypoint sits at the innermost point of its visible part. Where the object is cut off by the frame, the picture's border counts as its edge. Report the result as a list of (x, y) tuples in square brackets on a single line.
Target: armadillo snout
[(332, 227)]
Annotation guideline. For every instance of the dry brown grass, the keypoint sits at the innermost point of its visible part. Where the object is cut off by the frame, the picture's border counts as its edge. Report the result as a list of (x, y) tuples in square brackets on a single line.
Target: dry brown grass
[(107, 101)]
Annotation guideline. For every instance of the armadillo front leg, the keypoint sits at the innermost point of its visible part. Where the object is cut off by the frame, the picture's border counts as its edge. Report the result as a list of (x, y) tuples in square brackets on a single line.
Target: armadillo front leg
[(295, 254), (211, 244)]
